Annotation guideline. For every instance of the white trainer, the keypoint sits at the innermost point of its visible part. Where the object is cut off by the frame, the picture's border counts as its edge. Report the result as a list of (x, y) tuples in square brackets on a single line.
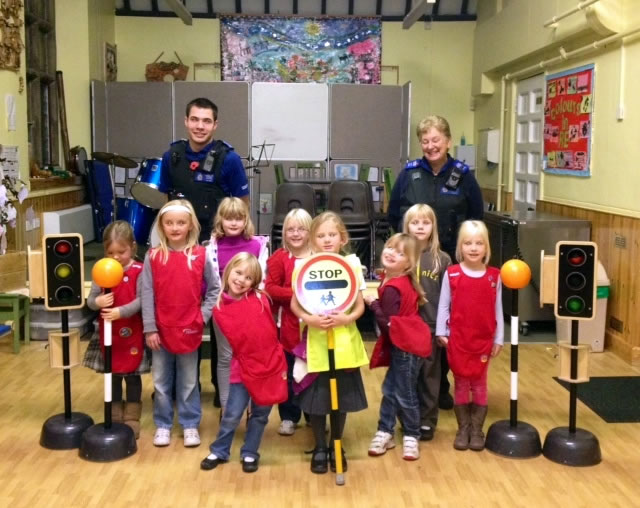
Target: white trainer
[(287, 428), (162, 437), (191, 438), (380, 443), (410, 449)]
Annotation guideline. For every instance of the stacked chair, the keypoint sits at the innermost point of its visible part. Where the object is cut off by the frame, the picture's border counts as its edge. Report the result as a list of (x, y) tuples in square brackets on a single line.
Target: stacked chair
[(290, 195), (353, 201)]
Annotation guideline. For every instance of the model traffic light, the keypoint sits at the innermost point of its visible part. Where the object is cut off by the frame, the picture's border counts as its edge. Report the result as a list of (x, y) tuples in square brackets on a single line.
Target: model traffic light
[(576, 264), (63, 271)]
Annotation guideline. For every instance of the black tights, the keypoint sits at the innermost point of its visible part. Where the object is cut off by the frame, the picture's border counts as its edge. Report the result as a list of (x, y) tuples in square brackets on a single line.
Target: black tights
[(133, 384), (318, 423)]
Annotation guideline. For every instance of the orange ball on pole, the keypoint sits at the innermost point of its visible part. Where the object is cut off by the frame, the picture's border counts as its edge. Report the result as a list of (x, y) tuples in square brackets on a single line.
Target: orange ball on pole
[(107, 273), (515, 274)]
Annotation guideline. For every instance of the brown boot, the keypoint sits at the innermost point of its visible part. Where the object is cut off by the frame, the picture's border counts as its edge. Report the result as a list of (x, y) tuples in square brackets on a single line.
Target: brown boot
[(117, 411), (478, 414), (463, 415), (132, 412)]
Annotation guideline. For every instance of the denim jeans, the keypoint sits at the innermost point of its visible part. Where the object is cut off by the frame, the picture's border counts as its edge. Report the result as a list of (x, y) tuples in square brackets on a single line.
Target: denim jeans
[(288, 410), (183, 369), (232, 415), (400, 393)]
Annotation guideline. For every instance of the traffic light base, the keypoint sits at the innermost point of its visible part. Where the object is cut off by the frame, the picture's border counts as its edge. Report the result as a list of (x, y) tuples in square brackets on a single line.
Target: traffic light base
[(100, 444), (579, 448), (61, 433), (521, 441)]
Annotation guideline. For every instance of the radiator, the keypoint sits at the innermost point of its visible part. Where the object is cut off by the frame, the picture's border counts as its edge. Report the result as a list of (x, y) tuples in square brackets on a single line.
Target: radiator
[(78, 219)]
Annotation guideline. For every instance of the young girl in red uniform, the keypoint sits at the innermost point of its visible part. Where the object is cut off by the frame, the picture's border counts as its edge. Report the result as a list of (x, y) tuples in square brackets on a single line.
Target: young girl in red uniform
[(404, 343), (258, 366), (174, 314), (278, 284), (470, 325), (122, 306), (329, 234)]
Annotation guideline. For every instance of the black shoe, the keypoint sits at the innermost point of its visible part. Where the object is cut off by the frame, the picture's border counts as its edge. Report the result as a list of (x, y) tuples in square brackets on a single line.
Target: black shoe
[(249, 467), (445, 401), (332, 461), (208, 464), (426, 434), (319, 460)]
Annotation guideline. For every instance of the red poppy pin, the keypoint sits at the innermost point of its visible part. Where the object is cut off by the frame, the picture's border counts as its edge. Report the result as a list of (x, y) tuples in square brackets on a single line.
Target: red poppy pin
[(194, 165)]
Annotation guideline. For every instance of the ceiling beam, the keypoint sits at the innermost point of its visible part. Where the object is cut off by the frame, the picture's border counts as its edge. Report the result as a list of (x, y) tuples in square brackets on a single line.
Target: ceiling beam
[(181, 11), (419, 10)]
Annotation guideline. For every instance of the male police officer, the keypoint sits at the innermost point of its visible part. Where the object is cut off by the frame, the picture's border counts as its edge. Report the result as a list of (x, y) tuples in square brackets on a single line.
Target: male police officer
[(202, 170)]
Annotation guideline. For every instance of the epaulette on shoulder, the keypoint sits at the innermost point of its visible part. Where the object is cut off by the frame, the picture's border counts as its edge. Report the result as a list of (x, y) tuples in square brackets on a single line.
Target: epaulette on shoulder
[(462, 167), (175, 143), (413, 164)]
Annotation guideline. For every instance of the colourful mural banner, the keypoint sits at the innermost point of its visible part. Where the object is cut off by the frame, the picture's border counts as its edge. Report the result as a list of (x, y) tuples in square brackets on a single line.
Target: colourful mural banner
[(301, 50), (567, 122)]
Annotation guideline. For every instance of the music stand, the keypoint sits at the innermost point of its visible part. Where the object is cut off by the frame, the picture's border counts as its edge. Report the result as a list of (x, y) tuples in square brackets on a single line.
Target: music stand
[(264, 150)]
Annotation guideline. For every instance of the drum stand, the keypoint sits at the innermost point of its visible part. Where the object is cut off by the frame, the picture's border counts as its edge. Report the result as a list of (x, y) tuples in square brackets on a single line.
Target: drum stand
[(257, 171)]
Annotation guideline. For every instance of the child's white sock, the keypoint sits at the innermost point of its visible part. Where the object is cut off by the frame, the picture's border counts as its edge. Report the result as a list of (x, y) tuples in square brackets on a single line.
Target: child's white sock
[(212, 456), (248, 459)]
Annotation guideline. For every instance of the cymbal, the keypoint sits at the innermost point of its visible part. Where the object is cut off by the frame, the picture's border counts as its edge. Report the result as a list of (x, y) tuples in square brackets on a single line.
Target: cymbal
[(115, 159)]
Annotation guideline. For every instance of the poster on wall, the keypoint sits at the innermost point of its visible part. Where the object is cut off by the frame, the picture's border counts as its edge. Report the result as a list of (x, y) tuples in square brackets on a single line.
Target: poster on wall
[(300, 50), (567, 121)]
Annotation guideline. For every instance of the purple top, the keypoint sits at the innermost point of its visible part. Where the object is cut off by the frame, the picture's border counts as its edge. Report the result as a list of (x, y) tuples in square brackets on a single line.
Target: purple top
[(229, 246)]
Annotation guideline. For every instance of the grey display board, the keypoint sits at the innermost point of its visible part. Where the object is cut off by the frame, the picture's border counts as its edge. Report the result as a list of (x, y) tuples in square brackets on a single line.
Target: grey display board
[(293, 116), (366, 122), (406, 121), (232, 100), (139, 118), (99, 116)]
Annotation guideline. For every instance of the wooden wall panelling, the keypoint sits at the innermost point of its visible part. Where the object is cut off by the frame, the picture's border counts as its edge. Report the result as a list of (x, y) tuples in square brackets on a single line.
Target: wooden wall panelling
[(618, 238)]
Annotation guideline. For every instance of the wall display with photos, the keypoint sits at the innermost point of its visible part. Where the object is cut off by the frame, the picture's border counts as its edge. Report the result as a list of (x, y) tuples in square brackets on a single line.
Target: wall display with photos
[(301, 50), (567, 121), (110, 62)]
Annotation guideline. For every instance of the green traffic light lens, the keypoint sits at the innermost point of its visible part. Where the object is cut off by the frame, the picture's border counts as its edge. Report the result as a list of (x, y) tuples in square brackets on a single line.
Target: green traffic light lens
[(64, 295), (575, 304), (63, 271), (62, 248)]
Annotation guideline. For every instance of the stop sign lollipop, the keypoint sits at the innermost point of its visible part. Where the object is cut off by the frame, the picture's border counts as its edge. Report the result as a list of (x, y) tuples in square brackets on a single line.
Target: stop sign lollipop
[(327, 283), (108, 441)]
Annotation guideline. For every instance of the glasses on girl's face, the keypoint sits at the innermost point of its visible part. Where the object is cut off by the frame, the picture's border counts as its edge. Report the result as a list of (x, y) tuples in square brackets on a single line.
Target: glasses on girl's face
[(293, 231)]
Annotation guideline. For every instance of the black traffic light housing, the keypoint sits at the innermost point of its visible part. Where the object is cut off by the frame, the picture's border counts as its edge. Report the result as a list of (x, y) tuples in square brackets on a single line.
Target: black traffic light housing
[(576, 264), (63, 271)]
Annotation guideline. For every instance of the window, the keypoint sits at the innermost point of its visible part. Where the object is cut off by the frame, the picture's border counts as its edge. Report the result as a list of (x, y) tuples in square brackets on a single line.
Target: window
[(42, 101)]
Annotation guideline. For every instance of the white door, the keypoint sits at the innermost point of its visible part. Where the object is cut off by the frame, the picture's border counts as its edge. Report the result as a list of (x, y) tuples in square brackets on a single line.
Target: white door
[(529, 120)]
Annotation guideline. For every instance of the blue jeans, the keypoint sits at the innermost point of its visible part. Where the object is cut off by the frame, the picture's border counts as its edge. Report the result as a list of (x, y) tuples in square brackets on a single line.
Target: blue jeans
[(236, 404), (400, 393), (183, 369), (288, 409)]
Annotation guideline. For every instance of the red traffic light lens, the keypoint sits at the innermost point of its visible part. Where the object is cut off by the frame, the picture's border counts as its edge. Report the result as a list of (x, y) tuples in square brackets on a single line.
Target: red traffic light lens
[(575, 304), (576, 257), (62, 248)]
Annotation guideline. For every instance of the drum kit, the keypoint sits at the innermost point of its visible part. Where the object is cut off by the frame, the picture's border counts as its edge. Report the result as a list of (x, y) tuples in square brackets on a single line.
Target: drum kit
[(150, 192)]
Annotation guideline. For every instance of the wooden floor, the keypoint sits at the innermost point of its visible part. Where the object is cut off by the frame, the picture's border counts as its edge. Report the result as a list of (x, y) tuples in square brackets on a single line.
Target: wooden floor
[(33, 476)]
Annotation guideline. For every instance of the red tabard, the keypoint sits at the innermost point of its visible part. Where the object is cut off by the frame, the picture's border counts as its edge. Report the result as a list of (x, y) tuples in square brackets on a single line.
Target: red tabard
[(127, 339), (472, 322), (289, 323), (407, 330), (177, 290), (249, 327)]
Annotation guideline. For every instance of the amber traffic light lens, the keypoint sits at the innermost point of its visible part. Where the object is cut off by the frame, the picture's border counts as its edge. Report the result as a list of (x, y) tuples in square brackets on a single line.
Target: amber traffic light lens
[(63, 271), (576, 281)]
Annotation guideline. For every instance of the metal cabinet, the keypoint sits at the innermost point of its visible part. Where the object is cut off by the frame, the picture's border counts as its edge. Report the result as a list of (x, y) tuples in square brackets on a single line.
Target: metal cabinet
[(523, 234)]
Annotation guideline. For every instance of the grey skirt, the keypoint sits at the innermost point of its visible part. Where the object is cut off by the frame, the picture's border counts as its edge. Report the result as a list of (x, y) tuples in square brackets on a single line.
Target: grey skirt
[(93, 358), (316, 399)]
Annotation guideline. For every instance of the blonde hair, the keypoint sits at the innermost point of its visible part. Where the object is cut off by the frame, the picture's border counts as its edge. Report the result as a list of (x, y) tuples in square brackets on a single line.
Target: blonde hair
[(422, 211), (229, 209), (299, 215), (192, 236), (433, 122), (119, 231), (318, 220), (472, 228), (407, 245), (255, 271)]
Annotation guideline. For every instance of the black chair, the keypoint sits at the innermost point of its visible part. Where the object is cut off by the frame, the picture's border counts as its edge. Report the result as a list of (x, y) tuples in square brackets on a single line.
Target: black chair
[(290, 195), (353, 201)]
